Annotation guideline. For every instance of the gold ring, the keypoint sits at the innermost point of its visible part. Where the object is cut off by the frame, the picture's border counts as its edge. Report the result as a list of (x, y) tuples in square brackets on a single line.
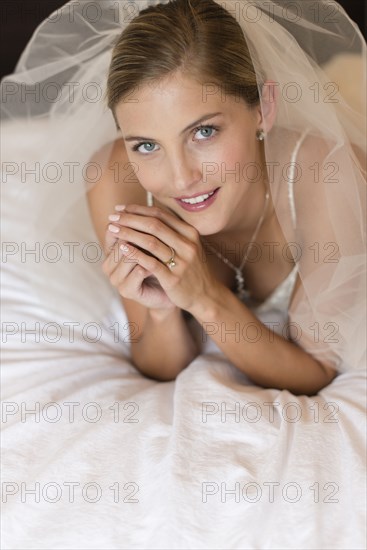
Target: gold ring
[(171, 263)]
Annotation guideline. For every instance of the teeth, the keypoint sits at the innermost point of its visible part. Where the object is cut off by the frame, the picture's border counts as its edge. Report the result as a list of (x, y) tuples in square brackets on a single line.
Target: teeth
[(196, 200)]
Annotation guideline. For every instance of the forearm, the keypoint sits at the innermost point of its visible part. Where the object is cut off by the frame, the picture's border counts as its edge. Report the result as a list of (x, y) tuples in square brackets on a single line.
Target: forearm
[(267, 358), (165, 346)]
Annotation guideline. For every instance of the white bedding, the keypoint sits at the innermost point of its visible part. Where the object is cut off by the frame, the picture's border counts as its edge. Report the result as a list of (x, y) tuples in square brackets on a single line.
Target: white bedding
[(156, 465)]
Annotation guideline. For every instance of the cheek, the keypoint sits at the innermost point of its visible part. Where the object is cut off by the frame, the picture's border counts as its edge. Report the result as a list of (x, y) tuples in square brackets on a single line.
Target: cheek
[(221, 158), (149, 178), (238, 161), (240, 153)]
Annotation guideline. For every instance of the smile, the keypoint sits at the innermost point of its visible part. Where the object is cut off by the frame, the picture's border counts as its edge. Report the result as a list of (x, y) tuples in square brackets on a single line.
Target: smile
[(199, 202), (196, 200)]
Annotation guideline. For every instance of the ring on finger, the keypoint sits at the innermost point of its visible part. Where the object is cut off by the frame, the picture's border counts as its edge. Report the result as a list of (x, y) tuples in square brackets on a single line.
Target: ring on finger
[(171, 262)]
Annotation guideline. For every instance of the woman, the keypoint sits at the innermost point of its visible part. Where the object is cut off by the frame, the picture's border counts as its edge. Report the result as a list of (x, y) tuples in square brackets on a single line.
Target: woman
[(194, 119), (251, 159), (269, 270)]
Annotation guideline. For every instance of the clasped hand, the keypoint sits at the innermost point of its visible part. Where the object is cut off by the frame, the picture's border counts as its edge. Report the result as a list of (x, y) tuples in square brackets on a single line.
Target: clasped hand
[(138, 244)]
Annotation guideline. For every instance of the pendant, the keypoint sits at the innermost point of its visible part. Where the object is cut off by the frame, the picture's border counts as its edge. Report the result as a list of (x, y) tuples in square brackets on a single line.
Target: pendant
[(241, 291)]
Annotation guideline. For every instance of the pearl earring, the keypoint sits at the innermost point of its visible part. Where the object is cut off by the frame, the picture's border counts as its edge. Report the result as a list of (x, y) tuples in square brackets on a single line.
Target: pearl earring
[(260, 135)]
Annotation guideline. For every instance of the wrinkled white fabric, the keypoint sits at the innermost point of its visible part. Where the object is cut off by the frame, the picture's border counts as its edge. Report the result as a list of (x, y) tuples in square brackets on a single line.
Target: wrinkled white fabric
[(66, 349)]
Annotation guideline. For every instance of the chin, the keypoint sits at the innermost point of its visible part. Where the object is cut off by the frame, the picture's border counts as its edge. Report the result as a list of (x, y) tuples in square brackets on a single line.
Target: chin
[(204, 228), (207, 229)]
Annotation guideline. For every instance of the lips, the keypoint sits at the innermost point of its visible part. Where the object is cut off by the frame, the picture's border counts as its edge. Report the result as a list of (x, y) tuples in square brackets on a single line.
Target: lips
[(200, 201)]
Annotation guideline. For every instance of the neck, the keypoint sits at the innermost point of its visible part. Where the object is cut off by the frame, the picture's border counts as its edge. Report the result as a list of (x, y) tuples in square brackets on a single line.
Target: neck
[(245, 222), (247, 212)]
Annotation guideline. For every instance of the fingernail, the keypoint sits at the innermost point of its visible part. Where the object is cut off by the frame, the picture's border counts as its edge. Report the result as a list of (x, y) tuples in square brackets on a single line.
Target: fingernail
[(120, 207), (113, 228), (114, 217)]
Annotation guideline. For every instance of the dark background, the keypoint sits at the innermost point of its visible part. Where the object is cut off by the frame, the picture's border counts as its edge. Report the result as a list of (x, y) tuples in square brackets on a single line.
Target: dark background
[(19, 18)]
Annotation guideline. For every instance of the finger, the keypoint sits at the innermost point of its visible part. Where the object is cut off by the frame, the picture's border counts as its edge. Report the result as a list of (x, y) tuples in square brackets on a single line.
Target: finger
[(129, 283), (147, 243), (133, 282), (150, 227), (115, 259), (110, 241), (125, 273), (171, 220), (150, 264)]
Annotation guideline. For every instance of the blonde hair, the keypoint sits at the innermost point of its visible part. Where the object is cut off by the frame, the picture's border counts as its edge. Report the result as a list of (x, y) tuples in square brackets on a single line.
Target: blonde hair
[(196, 37)]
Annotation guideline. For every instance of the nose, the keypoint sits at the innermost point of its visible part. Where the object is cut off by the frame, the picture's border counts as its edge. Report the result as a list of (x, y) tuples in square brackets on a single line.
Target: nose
[(186, 172)]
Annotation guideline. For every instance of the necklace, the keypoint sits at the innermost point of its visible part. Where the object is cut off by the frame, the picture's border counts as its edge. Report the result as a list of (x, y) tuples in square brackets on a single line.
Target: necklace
[(241, 291)]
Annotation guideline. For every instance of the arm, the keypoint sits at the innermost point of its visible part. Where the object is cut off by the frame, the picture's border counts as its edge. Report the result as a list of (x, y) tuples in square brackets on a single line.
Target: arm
[(165, 346), (267, 358)]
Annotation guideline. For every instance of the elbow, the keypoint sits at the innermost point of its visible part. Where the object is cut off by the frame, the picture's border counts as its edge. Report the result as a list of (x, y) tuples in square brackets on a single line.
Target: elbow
[(158, 373), (160, 377), (327, 376)]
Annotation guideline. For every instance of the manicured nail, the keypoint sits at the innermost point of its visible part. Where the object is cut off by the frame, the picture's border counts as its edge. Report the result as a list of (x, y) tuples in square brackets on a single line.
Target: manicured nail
[(120, 207), (113, 228), (114, 217)]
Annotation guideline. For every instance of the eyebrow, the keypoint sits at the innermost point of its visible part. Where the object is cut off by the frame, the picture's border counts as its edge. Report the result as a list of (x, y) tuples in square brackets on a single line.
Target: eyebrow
[(192, 125)]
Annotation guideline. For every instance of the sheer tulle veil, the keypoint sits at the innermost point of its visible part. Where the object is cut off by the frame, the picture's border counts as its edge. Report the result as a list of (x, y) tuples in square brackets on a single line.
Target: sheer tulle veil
[(54, 105)]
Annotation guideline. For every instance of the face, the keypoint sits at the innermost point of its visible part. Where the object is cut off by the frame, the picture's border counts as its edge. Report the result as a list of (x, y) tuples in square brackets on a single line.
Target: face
[(186, 144)]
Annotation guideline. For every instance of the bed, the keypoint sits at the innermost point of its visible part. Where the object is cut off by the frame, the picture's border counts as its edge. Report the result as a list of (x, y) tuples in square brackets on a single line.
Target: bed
[(97, 456)]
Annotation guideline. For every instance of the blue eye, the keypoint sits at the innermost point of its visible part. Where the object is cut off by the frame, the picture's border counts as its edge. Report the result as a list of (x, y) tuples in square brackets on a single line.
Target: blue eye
[(206, 132), (148, 147)]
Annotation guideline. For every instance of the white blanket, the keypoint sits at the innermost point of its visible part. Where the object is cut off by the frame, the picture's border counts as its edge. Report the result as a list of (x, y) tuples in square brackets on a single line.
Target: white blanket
[(109, 459)]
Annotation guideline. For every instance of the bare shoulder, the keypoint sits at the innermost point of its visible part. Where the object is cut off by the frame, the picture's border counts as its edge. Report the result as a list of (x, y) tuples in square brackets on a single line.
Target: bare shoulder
[(322, 164), (317, 184), (309, 198), (313, 151), (317, 174)]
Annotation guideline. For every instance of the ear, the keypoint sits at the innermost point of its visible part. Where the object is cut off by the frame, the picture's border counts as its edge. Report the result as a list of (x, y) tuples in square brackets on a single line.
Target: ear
[(267, 109)]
